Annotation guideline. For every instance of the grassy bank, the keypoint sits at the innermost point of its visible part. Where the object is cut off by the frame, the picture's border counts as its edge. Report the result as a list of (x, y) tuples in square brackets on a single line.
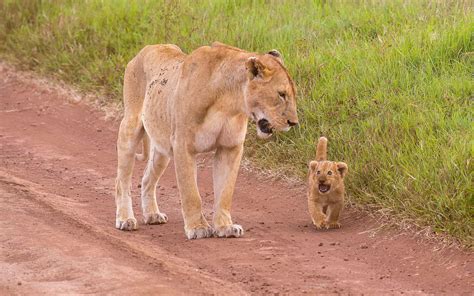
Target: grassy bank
[(388, 82)]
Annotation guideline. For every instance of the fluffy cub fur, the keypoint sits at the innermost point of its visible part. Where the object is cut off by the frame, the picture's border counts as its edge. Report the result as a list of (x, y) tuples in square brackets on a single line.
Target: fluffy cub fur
[(325, 188)]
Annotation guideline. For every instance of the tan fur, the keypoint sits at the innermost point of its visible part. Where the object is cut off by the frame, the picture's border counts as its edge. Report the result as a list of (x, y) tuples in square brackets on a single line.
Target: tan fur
[(325, 207), (189, 104), (145, 149), (322, 149)]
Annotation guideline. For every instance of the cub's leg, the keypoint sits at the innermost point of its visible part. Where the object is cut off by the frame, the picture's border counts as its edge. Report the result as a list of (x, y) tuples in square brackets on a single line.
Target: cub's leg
[(316, 212), (130, 133), (225, 170), (333, 218), (195, 225), (157, 163)]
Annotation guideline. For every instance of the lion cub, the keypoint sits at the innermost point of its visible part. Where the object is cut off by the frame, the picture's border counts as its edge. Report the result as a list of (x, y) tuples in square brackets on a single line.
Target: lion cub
[(325, 188)]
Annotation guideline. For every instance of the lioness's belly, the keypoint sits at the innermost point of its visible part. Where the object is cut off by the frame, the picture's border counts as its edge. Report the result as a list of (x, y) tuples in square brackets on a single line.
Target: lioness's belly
[(156, 114)]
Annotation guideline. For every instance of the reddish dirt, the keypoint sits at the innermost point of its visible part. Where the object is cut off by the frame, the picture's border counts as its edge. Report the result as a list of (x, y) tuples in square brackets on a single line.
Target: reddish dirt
[(57, 170)]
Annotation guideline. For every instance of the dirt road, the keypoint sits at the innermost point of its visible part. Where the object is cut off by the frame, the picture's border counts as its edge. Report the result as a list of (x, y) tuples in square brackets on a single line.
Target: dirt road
[(57, 170)]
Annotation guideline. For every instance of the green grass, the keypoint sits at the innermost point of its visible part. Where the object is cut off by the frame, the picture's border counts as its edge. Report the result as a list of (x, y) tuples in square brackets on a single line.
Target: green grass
[(388, 82)]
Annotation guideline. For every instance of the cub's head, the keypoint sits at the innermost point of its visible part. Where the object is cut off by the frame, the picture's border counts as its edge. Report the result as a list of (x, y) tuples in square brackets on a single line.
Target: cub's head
[(327, 176), (270, 94)]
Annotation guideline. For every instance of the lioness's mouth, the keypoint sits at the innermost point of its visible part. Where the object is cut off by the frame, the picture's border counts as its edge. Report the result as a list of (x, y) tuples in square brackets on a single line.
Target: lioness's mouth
[(323, 188), (264, 126)]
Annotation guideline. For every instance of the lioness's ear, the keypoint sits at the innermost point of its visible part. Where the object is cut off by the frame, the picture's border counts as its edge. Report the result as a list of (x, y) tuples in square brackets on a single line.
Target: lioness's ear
[(256, 69), (342, 168), (276, 54), (312, 165)]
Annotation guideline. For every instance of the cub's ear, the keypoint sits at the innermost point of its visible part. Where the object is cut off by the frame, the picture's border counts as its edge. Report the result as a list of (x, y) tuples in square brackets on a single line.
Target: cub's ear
[(256, 69), (342, 168), (276, 54), (312, 165)]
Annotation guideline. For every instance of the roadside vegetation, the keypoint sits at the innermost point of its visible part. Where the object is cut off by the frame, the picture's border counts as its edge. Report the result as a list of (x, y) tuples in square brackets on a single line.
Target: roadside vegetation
[(388, 82)]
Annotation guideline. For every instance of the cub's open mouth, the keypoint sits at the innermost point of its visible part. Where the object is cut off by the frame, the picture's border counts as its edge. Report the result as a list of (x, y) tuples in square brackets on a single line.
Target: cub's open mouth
[(323, 188), (264, 126)]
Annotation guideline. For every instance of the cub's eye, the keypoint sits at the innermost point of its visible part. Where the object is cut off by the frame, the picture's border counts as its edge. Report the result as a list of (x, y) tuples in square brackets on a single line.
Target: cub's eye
[(329, 173), (318, 172), (282, 95)]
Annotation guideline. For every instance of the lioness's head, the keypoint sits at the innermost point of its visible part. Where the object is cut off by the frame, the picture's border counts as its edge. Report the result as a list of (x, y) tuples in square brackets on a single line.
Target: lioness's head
[(270, 94), (327, 175)]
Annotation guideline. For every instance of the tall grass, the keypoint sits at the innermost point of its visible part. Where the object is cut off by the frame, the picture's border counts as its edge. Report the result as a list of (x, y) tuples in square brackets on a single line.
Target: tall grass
[(388, 82)]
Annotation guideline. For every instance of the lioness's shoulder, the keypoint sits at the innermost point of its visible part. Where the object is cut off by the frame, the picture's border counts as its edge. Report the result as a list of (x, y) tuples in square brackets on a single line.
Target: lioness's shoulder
[(162, 48), (217, 48), (210, 56), (220, 45)]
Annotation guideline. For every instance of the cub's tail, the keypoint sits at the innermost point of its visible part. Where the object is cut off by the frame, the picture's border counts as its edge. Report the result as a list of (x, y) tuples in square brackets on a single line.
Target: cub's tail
[(145, 150), (322, 149)]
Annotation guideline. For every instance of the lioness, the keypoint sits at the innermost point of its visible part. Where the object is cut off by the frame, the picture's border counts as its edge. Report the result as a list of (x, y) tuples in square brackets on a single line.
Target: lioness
[(182, 105)]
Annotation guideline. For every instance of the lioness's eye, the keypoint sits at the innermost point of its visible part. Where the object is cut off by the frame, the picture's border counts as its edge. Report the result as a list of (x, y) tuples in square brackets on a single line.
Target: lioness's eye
[(318, 172), (329, 173), (282, 95)]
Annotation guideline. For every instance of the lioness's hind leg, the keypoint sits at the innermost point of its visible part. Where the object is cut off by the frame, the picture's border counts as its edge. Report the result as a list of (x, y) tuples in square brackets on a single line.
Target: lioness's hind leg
[(130, 133), (157, 164)]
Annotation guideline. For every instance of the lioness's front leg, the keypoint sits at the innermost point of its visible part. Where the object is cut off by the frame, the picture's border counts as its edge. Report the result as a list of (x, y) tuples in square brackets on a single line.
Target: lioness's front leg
[(226, 168), (195, 225)]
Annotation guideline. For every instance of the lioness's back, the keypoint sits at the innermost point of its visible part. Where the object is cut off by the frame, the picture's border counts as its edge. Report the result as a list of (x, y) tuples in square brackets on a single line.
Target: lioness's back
[(146, 65)]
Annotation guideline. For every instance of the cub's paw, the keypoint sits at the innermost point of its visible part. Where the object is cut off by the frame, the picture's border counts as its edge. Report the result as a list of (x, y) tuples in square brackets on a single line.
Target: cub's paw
[(199, 232), (127, 225), (234, 230), (319, 224), (155, 218), (332, 225)]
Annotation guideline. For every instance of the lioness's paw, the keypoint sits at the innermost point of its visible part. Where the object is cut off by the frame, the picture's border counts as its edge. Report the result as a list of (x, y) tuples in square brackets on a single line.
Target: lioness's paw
[(199, 232), (127, 225), (155, 218), (234, 230), (332, 225)]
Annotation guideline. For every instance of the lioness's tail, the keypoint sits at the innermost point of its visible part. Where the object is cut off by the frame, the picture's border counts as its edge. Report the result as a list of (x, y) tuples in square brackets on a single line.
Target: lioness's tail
[(145, 149), (322, 149)]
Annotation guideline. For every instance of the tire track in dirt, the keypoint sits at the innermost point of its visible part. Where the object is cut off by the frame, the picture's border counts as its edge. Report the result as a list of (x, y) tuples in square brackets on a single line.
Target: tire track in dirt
[(156, 258), (42, 255), (63, 155)]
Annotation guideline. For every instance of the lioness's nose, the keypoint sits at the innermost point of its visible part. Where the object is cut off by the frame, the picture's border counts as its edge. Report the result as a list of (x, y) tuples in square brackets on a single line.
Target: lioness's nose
[(291, 123)]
